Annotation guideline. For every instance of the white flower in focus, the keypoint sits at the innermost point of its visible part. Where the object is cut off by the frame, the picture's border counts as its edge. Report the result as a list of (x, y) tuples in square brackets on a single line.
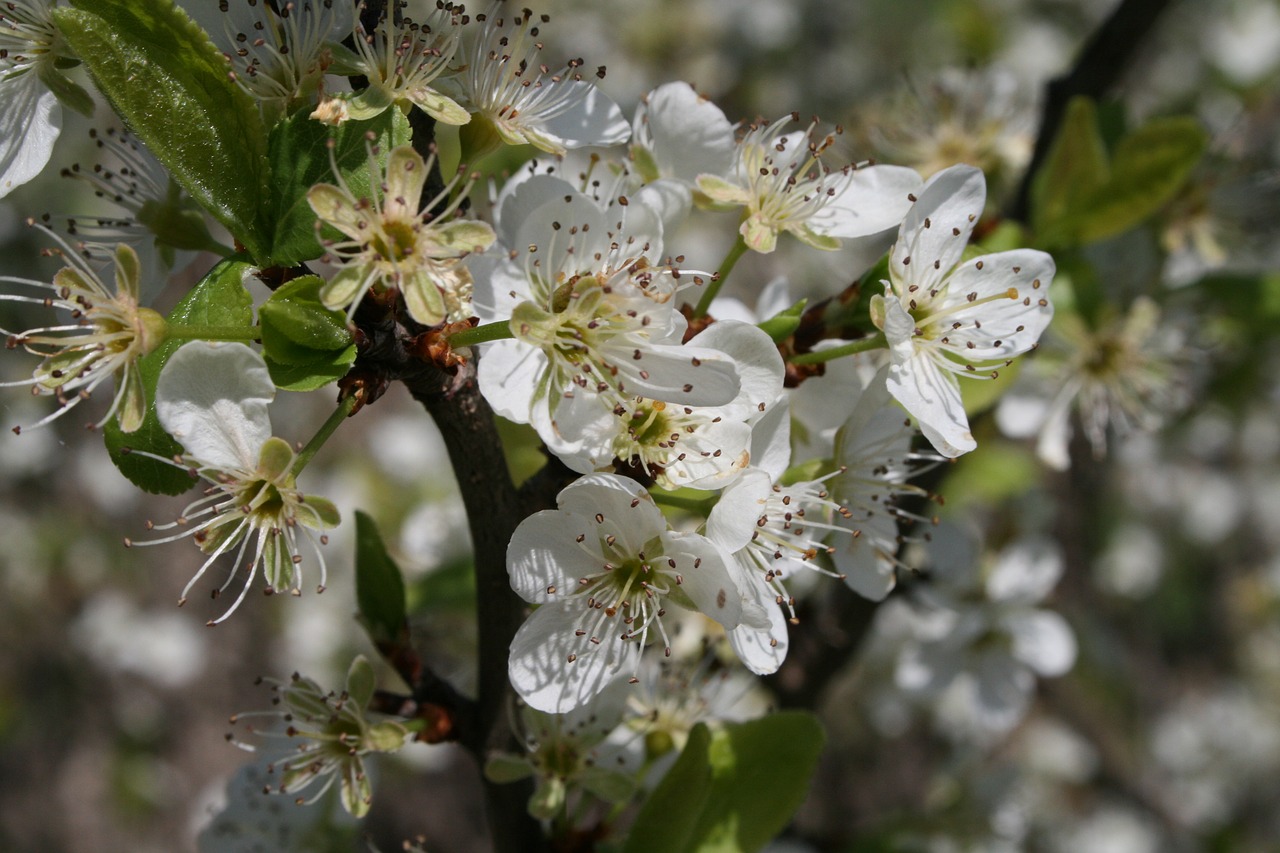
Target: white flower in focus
[(212, 398), (773, 532), (394, 240), (30, 114), (944, 320), (106, 336), (516, 97), (785, 187), (330, 734), (593, 317), (401, 61), (676, 136), (701, 447), (603, 567)]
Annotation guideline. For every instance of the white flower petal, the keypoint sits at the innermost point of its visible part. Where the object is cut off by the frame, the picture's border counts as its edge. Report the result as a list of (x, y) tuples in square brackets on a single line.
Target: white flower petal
[(617, 506), (704, 576), (543, 559), (1026, 572), (762, 650), (212, 398), (933, 398), (1042, 640), (555, 671), (872, 200), (30, 121), (593, 120), (936, 230), (687, 134)]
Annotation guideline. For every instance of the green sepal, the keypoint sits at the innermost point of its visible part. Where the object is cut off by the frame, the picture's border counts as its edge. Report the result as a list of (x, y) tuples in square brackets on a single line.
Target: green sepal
[(387, 736), (732, 789), (306, 345), (274, 459), (783, 325), (166, 79), (299, 156), (501, 768), (379, 587), (218, 299), (326, 515), (361, 681), (178, 222)]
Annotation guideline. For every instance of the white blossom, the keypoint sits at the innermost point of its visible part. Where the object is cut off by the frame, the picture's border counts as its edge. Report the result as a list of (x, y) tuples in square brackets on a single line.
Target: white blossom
[(945, 319), (603, 567)]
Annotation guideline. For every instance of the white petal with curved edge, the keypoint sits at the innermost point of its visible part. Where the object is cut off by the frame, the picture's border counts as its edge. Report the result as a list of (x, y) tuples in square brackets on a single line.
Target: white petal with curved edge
[(212, 398), (732, 521), (617, 506), (595, 120), (687, 134), (704, 576), (543, 560), (541, 668), (937, 228), (30, 121), (869, 201), (762, 650)]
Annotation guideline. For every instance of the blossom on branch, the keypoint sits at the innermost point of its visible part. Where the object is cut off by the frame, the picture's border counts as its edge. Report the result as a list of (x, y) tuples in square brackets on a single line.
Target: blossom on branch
[(944, 319), (603, 567), (212, 398), (105, 338)]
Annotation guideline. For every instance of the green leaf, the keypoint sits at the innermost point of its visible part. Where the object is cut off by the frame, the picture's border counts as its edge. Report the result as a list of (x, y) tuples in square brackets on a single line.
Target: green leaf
[(782, 325), (379, 587), (306, 345), (1150, 165), (299, 155), (732, 790), (171, 85), (219, 299), (669, 816), (1074, 170)]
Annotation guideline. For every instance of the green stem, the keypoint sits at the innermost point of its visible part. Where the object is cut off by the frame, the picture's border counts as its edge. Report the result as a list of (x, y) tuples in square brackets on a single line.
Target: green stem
[(726, 267), (876, 341), (495, 331), (346, 406), (196, 332)]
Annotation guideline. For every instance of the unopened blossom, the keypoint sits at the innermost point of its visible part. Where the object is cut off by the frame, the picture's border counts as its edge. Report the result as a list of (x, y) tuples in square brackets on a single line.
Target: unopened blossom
[(30, 88), (279, 52), (944, 319), (401, 60), (104, 337), (784, 186), (329, 735), (591, 305), (1127, 374), (603, 567), (516, 99), (395, 240), (212, 398)]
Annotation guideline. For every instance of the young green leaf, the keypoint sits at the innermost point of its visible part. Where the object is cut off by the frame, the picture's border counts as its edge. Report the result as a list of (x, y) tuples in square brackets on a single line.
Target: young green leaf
[(379, 587), (166, 79), (732, 790), (1075, 169), (299, 155), (219, 299), (1150, 165)]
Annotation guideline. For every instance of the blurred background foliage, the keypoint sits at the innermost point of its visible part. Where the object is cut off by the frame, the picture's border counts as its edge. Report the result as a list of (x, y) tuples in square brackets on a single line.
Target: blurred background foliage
[(1165, 735)]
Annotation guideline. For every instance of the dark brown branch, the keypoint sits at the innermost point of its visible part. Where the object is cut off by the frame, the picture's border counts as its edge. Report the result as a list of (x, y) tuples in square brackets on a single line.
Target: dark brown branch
[(1101, 64)]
